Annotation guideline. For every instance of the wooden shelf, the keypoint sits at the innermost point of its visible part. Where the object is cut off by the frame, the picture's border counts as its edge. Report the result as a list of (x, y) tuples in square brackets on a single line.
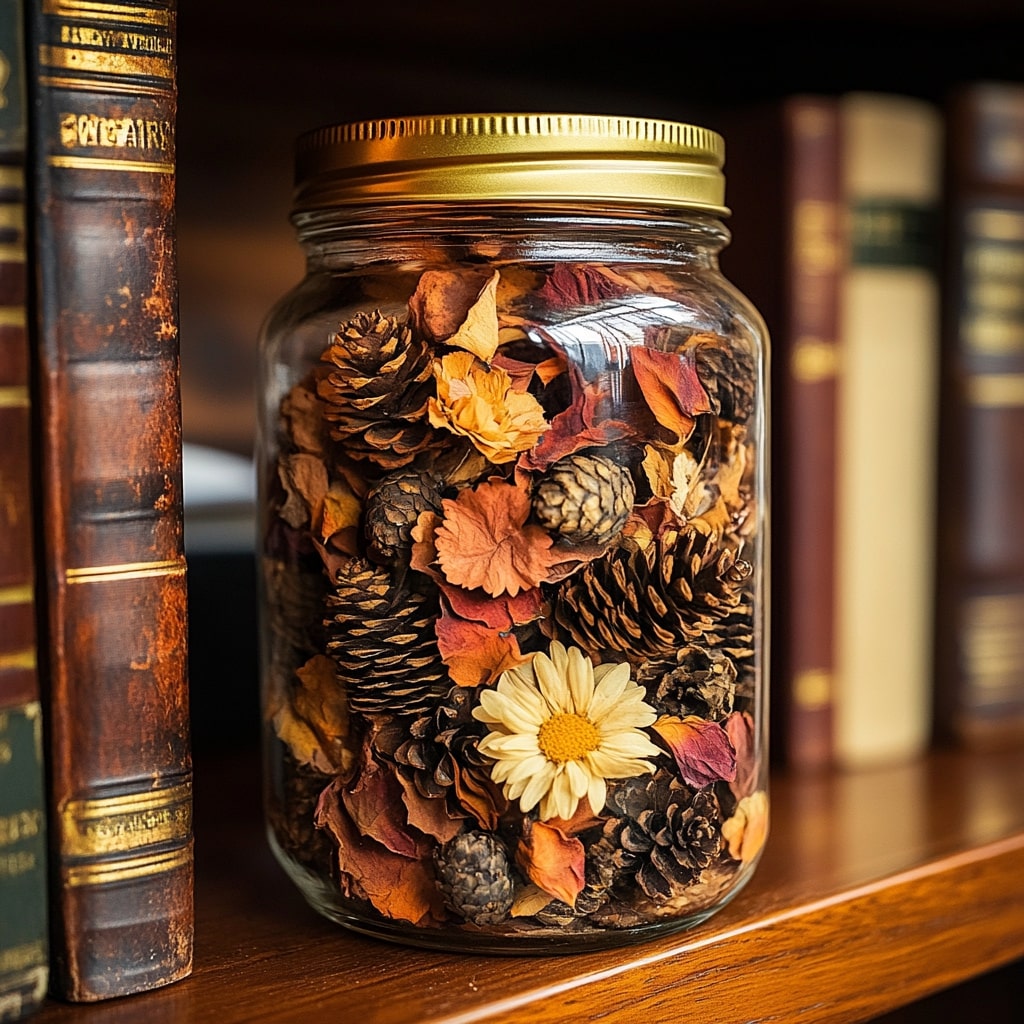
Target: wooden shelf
[(877, 888)]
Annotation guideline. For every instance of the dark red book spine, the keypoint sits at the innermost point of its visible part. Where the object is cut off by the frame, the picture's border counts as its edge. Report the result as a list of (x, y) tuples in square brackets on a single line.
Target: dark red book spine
[(102, 80), (980, 562)]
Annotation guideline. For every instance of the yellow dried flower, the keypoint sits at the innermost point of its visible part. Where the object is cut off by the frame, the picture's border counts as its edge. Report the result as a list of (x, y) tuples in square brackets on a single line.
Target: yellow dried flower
[(480, 403)]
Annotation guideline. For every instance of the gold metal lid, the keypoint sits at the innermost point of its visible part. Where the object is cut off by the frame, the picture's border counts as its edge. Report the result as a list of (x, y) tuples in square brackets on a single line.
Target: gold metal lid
[(514, 157)]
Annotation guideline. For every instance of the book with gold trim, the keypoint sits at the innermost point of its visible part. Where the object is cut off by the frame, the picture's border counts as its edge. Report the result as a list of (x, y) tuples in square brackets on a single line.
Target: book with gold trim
[(980, 560), (23, 928), (101, 79)]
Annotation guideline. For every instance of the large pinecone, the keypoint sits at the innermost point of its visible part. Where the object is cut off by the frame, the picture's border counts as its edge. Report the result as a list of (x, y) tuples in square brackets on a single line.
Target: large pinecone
[(660, 833), (647, 602), (694, 682), (428, 749), (382, 640), (586, 499), (377, 389), (474, 876), (392, 508)]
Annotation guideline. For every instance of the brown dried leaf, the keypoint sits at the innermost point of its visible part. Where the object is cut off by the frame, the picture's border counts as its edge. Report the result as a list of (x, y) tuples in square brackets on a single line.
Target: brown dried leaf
[(398, 887), (302, 413), (458, 308), (304, 479), (484, 541), (671, 388), (702, 749), (429, 815), (480, 796), (552, 860)]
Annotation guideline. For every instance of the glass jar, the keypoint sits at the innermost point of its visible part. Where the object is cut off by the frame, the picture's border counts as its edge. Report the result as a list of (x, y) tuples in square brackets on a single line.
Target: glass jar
[(513, 535)]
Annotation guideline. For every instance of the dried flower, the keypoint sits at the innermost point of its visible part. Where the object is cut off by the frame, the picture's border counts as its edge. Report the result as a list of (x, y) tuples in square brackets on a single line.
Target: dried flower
[(747, 829), (480, 403), (561, 727)]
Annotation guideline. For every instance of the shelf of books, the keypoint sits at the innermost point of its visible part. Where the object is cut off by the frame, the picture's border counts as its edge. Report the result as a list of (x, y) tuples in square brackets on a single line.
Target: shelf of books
[(877, 888)]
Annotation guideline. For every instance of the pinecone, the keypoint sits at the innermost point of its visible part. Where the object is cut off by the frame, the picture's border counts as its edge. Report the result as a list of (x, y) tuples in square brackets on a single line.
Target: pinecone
[(727, 372), (392, 508), (428, 749), (584, 498), (377, 390), (695, 682), (382, 640), (647, 602), (660, 833), (474, 876)]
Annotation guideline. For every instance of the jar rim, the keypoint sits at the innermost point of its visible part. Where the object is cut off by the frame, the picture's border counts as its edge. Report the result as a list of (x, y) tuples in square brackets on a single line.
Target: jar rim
[(511, 156)]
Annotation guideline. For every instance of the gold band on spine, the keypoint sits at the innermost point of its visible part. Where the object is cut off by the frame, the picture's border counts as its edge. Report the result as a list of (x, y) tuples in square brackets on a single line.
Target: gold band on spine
[(13, 316), (101, 826), (127, 870), (996, 390), (24, 660), (87, 163), (99, 62), (87, 10), (110, 85), (20, 594), (15, 396), (126, 571), (12, 253)]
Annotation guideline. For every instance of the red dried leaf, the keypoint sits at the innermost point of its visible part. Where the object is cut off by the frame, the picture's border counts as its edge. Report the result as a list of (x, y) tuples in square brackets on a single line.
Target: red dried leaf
[(484, 541), (500, 613), (569, 285), (429, 815), (475, 654), (552, 860), (742, 731), (671, 388), (398, 887), (702, 749)]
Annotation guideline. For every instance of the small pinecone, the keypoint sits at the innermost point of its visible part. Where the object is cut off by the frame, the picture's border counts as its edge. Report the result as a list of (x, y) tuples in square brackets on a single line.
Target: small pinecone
[(727, 373), (650, 601), (660, 832), (392, 508), (474, 876), (586, 499), (377, 389), (428, 749), (382, 640), (695, 682)]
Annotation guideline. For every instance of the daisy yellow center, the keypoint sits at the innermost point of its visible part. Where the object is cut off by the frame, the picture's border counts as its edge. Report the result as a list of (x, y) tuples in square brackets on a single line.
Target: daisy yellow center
[(567, 737)]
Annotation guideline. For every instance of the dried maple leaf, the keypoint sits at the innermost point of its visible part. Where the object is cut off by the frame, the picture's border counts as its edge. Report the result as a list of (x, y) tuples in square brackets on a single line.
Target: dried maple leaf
[(702, 749), (474, 653), (458, 307), (399, 887), (484, 541), (552, 860), (671, 388)]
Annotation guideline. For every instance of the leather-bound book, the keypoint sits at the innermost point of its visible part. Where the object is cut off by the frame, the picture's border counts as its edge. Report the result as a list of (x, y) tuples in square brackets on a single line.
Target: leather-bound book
[(783, 187), (23, 938), (102, 83), (980, 563)]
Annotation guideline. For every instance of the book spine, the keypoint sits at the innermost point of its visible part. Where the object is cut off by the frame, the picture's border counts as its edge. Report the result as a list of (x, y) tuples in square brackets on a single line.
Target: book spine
[(23, 928), (887, 443), (806, 361), (102, 83), (980, 562)]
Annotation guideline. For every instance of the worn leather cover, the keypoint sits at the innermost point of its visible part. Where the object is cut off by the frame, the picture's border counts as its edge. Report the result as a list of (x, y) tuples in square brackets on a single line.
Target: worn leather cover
[(980, 564), (102, 77)]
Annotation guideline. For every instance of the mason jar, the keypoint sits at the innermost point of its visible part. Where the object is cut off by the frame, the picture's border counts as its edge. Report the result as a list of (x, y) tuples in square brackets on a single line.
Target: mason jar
[(513, 548)]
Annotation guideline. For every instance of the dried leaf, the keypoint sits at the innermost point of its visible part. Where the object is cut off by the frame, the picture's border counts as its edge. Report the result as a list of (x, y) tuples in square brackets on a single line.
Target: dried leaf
[(484, 541), (671, 388), (747, 830), (474, 653), (398, 887), (480, 796), (742, 733), (304, 479), (319, 711), (339, 520), (458, 308), (581, 821), (429, 815), (480, 403), (530, 900), (302, 413), (500, 613), (702, 749), (552, 860), (579, 284)]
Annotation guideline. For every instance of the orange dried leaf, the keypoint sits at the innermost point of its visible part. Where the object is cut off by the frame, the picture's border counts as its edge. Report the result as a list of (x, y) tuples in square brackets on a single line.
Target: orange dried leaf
[(479, 796), (747, 830), (458, 308), (702, 749), (671, 388), (429, 815), (341, 510), (485, 541), (474, 653), (552, 860)]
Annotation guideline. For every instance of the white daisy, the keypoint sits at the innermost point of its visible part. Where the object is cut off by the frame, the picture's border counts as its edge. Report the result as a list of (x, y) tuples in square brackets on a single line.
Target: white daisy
[(560, 727)]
